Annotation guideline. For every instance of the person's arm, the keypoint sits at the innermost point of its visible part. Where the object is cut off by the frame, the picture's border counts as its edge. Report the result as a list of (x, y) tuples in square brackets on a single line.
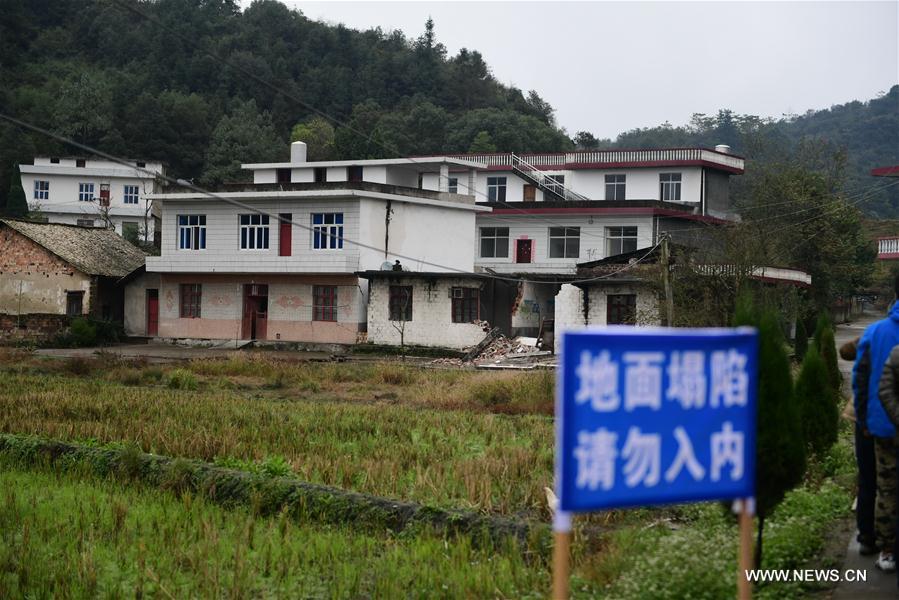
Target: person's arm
[(888, 391)]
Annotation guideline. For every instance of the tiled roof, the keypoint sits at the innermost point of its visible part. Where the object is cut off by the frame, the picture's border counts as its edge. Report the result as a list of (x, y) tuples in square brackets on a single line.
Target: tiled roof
[(92, 250)]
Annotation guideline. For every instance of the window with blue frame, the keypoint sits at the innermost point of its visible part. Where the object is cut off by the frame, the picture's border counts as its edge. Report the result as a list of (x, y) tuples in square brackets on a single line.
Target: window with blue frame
[(192, 232), (327, 231), (41, 190), (85, 192), (130, 194), (254, 232)]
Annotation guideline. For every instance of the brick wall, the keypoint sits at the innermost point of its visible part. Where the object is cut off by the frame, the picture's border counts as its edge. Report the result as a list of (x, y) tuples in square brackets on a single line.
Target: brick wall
[(570, 306), (31, 327), (33, 280), (431, 324)]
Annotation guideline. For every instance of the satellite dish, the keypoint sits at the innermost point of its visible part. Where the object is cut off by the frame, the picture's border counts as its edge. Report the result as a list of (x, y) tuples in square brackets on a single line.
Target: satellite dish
[(387, 266)]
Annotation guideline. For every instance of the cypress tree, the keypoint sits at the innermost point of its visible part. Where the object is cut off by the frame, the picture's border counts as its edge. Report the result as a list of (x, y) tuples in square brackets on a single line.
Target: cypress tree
[(821, 325), (817, 403), (780, 444), (16, 204), (801, 341), (828, 352)]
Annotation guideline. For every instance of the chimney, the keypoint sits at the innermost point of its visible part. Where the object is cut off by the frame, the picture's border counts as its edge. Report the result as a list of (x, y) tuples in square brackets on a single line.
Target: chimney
[(298, 152), (722, 148)]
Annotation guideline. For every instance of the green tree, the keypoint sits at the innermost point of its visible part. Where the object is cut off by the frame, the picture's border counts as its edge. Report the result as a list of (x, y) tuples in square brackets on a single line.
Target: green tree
[(16, 204), (828, 351), (245, 135), (83, 109), (481, 143), (318, 134), (780, 444), (820, 414), (801, 341)]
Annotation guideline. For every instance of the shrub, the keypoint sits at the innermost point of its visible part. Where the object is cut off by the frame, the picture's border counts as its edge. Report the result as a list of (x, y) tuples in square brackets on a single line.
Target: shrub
[(82, 332), (801, 341), (817, 403), (828, 352), (780, 444), (182, 379), (80, 366)]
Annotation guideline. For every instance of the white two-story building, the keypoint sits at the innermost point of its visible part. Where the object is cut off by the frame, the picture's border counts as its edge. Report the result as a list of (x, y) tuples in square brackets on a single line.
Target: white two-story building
[(551, 212), (277, 259), (94, 192)]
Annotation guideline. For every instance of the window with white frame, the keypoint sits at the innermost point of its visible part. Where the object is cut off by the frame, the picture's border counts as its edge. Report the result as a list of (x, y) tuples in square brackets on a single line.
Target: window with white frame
[(615, 187), (192, 232), (327, 231), (496, 189), (254, 232), (556, 183), (564, 242), (41, 190), (669, 184), (85, 192), (620, 240), (494, 242), (453, 185), (130, 194)]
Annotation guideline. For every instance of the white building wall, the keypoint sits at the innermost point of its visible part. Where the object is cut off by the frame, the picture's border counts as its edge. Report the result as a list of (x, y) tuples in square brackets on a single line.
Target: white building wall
[(641, 183), (647, 303), (569, 312), (433, 234), (223, 253), (569, 309), (593, 239), (135, 320), (63, 205), (431, 323)]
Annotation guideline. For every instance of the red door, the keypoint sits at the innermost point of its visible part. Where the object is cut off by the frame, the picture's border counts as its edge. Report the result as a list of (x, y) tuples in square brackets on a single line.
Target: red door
[(152, 313), (255, 312), (523, 251)]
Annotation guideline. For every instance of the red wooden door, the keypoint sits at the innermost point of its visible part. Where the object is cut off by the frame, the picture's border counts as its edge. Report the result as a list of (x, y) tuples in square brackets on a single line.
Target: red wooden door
[(152, 313), (523, 251), (254, 325)]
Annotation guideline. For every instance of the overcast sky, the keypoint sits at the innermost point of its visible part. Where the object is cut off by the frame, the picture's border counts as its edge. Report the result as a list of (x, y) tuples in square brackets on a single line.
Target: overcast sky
[(608, 67)]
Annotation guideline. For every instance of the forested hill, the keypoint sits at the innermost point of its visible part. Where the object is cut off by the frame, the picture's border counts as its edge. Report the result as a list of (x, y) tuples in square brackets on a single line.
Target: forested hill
[(112, 78), (140, 78), (867, 133)]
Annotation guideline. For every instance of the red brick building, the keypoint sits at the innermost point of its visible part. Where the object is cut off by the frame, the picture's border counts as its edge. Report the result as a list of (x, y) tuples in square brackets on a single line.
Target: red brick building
[(51, 272)]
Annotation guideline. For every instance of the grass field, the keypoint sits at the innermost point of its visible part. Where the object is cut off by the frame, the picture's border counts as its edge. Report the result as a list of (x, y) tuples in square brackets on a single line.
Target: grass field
[(453, 439), (61, 537)]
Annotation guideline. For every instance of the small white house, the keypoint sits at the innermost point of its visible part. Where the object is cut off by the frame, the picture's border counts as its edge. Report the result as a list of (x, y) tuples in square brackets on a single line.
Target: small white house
[(94, 193)]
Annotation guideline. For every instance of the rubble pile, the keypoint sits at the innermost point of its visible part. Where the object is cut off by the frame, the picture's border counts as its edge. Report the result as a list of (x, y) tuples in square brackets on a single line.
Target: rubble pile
[(503, 347)]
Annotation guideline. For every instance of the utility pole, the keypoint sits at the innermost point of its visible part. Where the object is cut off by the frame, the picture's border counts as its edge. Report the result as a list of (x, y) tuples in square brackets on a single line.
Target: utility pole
[(666, 280)]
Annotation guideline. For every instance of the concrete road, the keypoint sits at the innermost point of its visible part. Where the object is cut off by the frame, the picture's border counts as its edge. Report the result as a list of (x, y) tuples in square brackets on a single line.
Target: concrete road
[(879, 584)]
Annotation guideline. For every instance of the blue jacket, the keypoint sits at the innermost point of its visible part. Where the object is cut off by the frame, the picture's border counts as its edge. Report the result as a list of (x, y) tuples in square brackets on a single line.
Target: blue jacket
[(873, 351)]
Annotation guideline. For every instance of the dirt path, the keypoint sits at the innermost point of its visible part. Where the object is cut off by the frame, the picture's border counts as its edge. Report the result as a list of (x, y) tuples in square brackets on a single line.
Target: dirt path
[(878, 584)]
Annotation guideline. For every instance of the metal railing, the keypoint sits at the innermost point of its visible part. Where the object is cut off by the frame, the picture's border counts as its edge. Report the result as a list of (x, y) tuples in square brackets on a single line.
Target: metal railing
[(542, 180), (888, 245), (560, 160)]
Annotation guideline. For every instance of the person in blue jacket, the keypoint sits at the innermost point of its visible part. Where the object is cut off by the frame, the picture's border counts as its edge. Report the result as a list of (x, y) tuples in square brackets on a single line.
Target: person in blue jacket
[(872, 354)]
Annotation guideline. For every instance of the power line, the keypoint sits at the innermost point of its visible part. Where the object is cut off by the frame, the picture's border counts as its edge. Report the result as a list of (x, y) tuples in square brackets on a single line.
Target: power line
[(309, 228)]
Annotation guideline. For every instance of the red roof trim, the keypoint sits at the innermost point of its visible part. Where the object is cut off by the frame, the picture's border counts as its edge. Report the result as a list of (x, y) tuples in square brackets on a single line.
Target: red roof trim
[(621, 165), (886, 171), (637, 210)]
